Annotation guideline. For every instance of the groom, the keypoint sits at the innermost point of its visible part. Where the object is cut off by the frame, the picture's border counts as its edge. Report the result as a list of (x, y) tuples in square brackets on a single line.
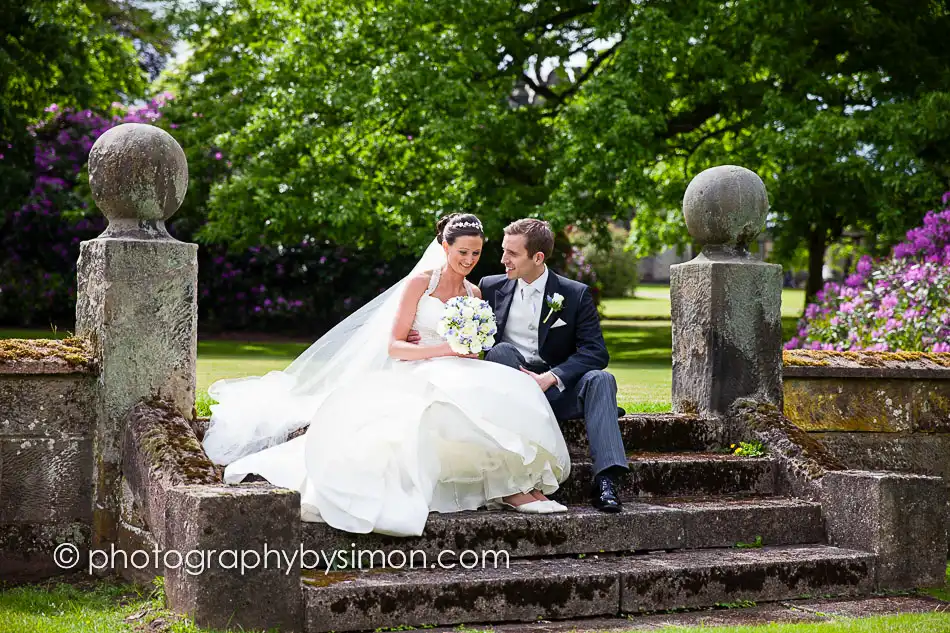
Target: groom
[(559, 344)]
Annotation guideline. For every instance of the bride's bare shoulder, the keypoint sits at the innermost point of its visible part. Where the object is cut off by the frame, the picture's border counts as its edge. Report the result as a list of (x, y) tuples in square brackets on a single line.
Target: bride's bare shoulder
[(476, 291), (419, 282)]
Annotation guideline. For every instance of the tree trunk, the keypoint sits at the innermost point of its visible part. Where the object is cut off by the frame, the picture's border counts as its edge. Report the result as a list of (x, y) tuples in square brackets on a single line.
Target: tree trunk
[(817, 243)]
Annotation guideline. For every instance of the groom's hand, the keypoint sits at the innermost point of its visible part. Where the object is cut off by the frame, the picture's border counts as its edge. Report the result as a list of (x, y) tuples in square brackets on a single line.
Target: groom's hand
[(413, 337), (545, 380)]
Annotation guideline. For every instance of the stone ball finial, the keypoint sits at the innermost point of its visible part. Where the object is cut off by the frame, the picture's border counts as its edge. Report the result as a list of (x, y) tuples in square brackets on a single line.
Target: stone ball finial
[(138, 174), (726, 206)]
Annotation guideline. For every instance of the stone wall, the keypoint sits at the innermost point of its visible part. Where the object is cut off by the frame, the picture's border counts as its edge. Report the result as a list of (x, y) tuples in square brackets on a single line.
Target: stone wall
[(874, 410), (47, 392), (879, 411)]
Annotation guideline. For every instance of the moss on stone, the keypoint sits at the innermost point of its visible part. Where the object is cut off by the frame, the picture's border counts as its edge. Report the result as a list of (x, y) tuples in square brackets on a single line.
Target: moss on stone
[(824, 358), (797, 358), (171, 446), (782, 438), (74, 351)]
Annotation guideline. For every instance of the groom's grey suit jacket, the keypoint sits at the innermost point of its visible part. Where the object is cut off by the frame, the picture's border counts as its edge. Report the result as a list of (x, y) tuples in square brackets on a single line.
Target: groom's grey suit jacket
[(570, 350)]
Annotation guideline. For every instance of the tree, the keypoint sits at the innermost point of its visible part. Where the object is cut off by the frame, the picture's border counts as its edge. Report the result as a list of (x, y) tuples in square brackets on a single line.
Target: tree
[(67, 54), (362, 122)]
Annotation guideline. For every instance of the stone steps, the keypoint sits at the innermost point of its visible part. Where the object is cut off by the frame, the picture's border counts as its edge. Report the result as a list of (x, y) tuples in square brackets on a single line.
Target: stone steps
[(563, 588), (677, 475), (658, 432), (657, 525)]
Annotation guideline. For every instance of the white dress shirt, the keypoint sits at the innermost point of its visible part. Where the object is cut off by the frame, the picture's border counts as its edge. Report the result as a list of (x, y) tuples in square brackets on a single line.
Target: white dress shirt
[(524, 319)]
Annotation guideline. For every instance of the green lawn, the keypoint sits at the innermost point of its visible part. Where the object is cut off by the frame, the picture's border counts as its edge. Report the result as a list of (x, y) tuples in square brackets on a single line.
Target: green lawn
[(654, 302), (637, 331)]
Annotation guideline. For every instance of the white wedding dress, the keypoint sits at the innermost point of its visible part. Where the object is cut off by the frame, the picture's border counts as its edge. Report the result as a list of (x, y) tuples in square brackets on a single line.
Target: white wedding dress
[(386, 447)]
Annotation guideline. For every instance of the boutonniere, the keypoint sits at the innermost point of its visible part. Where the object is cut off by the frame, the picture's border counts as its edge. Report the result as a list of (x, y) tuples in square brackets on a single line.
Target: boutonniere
[(555, 303)]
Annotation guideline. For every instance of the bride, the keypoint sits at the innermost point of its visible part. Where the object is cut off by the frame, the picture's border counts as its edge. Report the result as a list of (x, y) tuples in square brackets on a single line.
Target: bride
[(395, 429)]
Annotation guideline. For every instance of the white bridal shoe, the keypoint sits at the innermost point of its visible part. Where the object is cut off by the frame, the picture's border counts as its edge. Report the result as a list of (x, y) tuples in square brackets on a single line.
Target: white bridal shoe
[(532, 507)]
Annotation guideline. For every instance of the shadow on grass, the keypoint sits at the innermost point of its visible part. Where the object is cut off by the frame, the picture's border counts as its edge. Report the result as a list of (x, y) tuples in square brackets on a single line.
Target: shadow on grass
[(652, 341), (249, 349), (645, 344)]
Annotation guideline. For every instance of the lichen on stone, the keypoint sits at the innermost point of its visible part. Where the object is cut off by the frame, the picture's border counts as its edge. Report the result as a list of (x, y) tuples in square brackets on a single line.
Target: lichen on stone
[(74, 351)]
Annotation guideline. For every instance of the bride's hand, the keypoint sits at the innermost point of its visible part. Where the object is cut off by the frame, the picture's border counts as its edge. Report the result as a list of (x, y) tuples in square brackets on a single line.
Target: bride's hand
[(446, 350)]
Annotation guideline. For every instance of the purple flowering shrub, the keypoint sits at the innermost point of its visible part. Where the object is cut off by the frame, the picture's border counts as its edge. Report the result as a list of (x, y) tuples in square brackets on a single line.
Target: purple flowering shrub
[(39, 244), (305, 287), (899, 304)]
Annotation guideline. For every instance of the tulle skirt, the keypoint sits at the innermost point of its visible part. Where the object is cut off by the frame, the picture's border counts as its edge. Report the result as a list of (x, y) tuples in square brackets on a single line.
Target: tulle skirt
[(444, 435)]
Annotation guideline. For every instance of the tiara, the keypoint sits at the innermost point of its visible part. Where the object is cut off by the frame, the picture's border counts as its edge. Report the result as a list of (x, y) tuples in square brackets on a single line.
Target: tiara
[(474, 225)]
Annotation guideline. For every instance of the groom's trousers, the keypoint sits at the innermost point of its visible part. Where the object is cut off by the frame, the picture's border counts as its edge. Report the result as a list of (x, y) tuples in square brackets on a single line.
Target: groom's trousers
[(593, 398)]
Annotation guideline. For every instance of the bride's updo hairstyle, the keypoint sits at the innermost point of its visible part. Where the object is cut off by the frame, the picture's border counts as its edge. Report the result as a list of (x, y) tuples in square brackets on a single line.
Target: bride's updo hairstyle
[(456, 225)]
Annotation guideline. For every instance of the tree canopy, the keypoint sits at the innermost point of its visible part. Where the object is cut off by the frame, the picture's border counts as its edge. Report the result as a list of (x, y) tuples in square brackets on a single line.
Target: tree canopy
[(359, 121)]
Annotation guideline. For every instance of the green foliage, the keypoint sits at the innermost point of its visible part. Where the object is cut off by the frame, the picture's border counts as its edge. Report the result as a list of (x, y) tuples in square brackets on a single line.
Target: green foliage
[(67, 54), (397, 113), (738, 604), (615, 268), (749, 449), (757, 543), (203, 404)]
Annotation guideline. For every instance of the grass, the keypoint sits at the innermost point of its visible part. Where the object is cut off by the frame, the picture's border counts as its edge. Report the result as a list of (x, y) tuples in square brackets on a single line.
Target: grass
[(637, 331), (89, 606), (941, 593), (653, 302)]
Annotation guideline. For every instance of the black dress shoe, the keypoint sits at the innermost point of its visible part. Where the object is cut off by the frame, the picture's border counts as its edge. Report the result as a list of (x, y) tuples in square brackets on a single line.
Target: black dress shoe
[(621, 412), (604, 495)]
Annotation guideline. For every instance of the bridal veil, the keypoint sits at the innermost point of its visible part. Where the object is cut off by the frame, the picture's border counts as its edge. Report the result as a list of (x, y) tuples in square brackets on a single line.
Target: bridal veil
[(258, 412)]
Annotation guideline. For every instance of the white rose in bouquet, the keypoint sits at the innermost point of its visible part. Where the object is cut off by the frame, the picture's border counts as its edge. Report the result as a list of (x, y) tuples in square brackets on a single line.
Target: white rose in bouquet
[(468, 324)]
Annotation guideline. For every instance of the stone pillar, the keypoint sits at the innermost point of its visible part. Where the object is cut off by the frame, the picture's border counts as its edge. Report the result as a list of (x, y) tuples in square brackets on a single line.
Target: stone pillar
[(726, 304), (137, 295)]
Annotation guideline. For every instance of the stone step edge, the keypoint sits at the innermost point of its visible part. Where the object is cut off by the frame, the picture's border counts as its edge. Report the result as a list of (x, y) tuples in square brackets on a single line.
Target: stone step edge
[(677, 474), (648, 525), (558, 589)]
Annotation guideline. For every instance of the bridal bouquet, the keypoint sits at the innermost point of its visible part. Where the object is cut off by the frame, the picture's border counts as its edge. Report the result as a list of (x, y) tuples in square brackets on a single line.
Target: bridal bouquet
[(468, 324)]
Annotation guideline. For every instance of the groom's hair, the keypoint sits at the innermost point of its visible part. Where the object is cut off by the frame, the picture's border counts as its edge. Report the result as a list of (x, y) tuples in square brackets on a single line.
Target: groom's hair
[(539, 238)]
